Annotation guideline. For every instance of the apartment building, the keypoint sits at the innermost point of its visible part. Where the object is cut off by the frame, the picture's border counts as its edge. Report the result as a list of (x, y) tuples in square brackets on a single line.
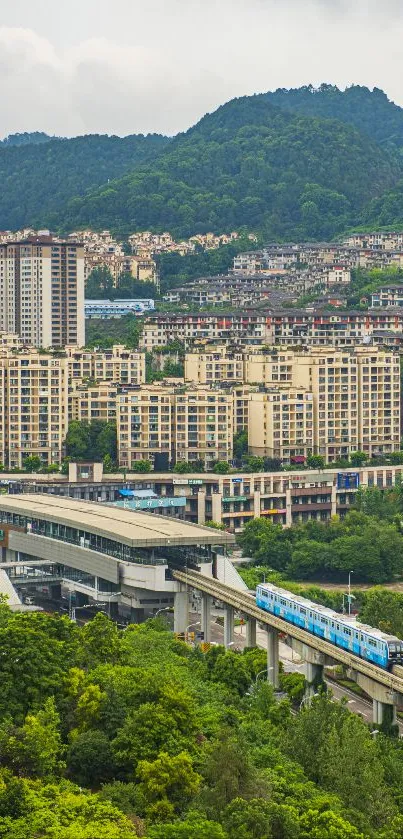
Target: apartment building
[(350, 398), (388, 295), (159, 330), (204, 425), (117, 364), (42, 291), (145, 424), (281, 423), (221, 363), (35, 391), (165, 423), (92, 402)]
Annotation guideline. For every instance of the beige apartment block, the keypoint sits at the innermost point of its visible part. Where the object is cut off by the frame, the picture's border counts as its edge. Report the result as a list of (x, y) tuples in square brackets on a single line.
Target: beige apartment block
[(117, 364), (36, 393), (281, 422), (204, 425), (214, 364), (42, 291), (145, 420), (356, 396), (92, 402)]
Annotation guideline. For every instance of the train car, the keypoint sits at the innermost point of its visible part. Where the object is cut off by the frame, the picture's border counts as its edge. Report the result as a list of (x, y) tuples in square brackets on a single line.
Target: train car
[(343, 631)]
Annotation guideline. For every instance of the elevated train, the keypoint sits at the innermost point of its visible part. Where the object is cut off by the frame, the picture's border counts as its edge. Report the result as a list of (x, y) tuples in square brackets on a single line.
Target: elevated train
[(343, 631)]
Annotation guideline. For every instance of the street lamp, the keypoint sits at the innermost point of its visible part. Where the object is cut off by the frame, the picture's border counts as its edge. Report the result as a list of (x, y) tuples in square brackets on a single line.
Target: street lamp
[(190, 626), (349, 591), (74, 609), (165, 609)]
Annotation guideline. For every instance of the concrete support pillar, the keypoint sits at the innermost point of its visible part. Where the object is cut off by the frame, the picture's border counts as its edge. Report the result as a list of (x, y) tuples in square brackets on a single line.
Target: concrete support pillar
[(314, 678), (206, 617), (251, 632), (181, 611), (228, 625), (272, 657), (380, 710)]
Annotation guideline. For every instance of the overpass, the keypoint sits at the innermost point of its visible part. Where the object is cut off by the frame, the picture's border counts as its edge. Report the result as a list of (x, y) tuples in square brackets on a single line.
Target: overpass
[(385, 688)]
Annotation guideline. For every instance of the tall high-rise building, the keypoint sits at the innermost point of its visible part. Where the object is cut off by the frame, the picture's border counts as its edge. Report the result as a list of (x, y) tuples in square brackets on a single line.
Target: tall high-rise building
[(42, 291)]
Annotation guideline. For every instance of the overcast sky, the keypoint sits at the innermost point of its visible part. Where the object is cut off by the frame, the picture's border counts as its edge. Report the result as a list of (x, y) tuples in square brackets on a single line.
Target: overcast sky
[(131, 66)]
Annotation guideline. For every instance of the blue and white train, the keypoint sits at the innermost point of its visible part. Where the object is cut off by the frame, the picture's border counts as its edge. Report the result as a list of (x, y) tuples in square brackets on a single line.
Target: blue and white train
[(364, 641)]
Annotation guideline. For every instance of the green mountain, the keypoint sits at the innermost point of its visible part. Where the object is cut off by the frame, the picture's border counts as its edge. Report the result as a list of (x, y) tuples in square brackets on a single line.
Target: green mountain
[(248, 164), (38, 177), (370, 111)]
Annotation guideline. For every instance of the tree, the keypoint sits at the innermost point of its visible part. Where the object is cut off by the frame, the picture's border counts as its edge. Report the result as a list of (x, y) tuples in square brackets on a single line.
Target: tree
[(37, 651), (315, 461), (222, 467), (169, 779), (194, 826), (141, 466), (216, 525), (240, 444), (91, 440), (326, 736), (90, 759), (358, 458), (99, 283), (35, 748), (182, 467), (32, 463), (248, 819), (107, 463), (326, 825), (100, 641), (231, 669), (254, 464), (384, 609)]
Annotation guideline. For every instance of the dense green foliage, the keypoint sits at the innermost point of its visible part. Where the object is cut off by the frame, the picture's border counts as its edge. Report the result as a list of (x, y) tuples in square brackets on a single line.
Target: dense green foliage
[(26, 138), (248, 164), (94, 440), (106, 333), (370, 111), (176, 744), (100, 286), (372, 549), (175, 270), (298, 164), (39, 178)]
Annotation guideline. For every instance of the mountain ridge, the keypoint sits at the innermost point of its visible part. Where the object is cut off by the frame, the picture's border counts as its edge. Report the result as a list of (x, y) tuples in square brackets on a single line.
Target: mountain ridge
[(303, 163)]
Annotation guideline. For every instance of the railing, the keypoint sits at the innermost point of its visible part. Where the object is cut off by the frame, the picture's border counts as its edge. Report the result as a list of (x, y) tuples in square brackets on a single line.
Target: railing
[(245, 602)]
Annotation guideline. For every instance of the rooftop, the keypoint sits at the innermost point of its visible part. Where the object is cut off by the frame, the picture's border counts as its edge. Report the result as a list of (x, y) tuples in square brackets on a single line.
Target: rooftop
[(136, 529)]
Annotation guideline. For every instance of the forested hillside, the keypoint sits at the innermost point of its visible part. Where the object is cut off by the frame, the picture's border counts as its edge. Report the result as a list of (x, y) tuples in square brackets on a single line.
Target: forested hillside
[(248, 164), (108, 734), (292, 164), (38, 178), (370, 111)]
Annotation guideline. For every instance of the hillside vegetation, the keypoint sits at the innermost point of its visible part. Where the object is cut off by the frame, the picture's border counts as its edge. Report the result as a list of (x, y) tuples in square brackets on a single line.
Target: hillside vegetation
[(38, 177), (370, 111), (251, 164), (292, 164), (117, 735)]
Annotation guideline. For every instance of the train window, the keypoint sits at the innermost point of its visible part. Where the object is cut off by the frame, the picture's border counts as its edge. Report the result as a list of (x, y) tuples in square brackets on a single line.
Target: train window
[(337, 626), (371, 642), (303, 611), (346, 631), (323, 620)]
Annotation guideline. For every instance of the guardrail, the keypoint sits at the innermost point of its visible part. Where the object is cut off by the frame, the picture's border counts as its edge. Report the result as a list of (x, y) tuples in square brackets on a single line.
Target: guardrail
[(245, 602)]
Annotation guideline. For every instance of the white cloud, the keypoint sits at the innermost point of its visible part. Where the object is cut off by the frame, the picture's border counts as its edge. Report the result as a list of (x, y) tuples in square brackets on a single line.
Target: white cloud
[(158, 66)]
